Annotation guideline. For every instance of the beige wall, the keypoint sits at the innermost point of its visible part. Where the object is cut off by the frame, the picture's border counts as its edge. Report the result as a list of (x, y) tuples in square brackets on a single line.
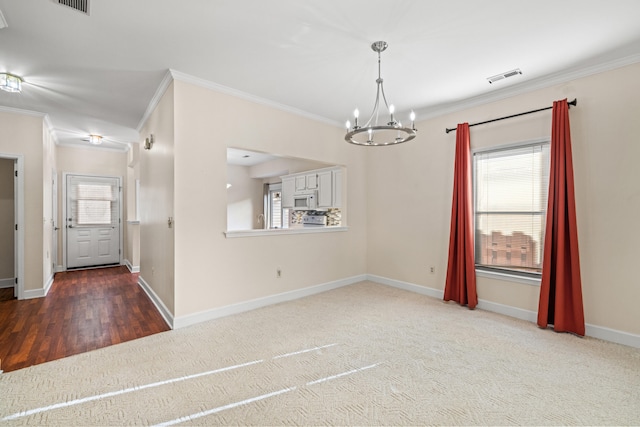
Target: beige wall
[(212, 271), (7, 215), (157, 201), (49, 153), (244, 199), (410, 187), (22, 134)]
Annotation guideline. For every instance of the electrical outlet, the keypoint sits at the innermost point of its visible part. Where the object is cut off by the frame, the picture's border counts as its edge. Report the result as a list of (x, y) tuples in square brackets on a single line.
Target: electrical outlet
[(278, 273), (432, 270)]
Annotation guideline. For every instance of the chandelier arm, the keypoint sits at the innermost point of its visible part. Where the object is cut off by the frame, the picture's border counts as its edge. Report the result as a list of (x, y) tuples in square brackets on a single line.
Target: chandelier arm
[(374, 112)]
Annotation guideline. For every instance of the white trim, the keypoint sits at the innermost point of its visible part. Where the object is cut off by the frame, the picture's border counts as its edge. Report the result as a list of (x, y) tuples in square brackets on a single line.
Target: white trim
[(155, 299), (60, 268), (526, 87), (3, 24), (593, 331), (4, 109), (47, 286), (132, 268), (162, 88), (18, 161), (33, 293), (423, 290), (545, 140), (125, 146), (613, 335), (532, 281), (7, 283), (282, 231), (507, 310), (192, 319), (177, 75)]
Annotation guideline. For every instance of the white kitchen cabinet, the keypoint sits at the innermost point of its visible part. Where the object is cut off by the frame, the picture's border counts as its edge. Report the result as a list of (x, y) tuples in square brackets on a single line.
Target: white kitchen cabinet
[(301, 182), (327, 183), (288, 189), (325, 189), (336, 192), (312, 181)]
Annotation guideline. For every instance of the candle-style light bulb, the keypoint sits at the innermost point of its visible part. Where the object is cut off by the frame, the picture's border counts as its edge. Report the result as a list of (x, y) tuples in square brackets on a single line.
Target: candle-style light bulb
[(356, 113), (348, 124), (392, 109), (412, 116), (370, 139)]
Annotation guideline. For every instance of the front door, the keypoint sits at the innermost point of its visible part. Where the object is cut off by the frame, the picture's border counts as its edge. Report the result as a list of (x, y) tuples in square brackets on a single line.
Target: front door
[(92, 221)]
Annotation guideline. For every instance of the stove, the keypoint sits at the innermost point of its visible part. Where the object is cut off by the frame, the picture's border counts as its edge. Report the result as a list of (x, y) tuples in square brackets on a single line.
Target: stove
[(314, 220)]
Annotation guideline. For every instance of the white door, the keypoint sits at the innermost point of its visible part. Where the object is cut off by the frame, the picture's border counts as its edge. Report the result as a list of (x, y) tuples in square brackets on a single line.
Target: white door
[(92, 221), (54, 220)]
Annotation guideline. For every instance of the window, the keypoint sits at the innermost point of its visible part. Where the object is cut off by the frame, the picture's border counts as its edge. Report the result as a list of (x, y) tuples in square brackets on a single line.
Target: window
[(277, 217), (510, 202), (93, 204)]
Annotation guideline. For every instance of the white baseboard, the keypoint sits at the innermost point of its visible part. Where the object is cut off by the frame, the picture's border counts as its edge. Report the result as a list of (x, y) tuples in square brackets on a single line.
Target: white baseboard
[(155, 299), (7, 283), (423, 290), (613, 335), (33, 293), (507, 310), (132, 268), (60, 268), (47, 286), (594, 331), (191, 319)]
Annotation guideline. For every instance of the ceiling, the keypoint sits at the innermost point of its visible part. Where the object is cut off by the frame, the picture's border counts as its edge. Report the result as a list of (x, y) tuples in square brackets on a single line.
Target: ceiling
[(98, 73)]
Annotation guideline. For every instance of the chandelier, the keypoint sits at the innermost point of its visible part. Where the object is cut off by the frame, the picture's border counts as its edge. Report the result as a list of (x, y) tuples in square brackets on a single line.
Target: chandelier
[(373, 133)]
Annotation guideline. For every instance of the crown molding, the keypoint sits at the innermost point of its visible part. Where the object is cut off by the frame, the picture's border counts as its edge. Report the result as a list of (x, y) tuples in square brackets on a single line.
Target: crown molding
[(3, 22), (123, 149), (177, 75), (155, 100), (530, 86), (23, 112)]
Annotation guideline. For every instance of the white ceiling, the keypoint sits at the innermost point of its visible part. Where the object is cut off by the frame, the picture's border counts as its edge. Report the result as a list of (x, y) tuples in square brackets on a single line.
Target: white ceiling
[(99, 73)]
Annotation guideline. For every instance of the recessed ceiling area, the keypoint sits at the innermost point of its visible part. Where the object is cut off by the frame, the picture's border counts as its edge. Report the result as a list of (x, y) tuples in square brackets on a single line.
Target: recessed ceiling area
[(97, 73)]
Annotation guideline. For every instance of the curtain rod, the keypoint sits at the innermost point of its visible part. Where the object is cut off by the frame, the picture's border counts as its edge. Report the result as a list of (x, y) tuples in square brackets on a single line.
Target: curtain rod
[(574, 103)]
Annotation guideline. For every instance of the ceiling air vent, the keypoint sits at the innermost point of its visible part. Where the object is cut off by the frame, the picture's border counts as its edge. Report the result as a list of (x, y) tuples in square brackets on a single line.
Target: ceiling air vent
[(79, 5), (504, 75)]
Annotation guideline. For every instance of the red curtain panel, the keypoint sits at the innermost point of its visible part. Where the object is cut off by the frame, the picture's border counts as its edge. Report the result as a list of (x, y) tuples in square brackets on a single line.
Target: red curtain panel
[(561, 288), (461, 274)]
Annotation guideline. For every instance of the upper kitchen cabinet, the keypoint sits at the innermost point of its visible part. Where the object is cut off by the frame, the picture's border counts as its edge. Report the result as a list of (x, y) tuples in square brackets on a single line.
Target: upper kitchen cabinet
[(324, 184)]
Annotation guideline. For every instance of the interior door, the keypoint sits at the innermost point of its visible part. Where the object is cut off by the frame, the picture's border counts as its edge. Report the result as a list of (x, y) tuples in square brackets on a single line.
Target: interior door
[(92, 221), (54, 220)]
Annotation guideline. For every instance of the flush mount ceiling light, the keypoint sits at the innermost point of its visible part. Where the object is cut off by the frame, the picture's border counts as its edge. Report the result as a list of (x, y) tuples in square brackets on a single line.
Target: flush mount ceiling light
[(372, 133), (10, 82), (95, 139)]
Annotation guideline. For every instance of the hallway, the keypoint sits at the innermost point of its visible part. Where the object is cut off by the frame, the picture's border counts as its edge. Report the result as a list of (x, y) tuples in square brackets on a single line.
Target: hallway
[(83, 311)]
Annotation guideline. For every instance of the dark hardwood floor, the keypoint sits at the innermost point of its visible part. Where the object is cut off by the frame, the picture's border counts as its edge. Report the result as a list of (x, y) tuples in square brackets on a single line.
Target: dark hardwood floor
[(84, 310), (6, 294)]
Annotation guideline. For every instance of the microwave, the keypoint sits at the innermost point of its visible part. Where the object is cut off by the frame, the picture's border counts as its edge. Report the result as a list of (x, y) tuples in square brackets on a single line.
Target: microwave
[(304, 201)]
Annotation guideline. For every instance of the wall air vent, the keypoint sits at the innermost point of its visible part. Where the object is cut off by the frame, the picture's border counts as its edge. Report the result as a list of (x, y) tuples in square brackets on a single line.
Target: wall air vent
[(79, 5), (504, 75)]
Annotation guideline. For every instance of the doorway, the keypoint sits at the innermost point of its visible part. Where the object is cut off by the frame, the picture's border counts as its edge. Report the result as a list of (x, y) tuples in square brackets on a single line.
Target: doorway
[(12, 225), (92, 221)]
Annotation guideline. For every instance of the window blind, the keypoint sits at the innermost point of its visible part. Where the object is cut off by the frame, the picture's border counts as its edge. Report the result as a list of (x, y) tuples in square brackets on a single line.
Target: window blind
[(510, 192)]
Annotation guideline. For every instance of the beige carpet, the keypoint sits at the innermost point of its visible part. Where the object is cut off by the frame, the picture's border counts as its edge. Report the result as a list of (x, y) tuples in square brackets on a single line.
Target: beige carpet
[(365, 354)]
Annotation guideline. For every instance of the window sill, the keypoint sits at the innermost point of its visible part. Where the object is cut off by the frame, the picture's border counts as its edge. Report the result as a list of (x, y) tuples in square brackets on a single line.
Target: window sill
[(509, 277), (282, 231)]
